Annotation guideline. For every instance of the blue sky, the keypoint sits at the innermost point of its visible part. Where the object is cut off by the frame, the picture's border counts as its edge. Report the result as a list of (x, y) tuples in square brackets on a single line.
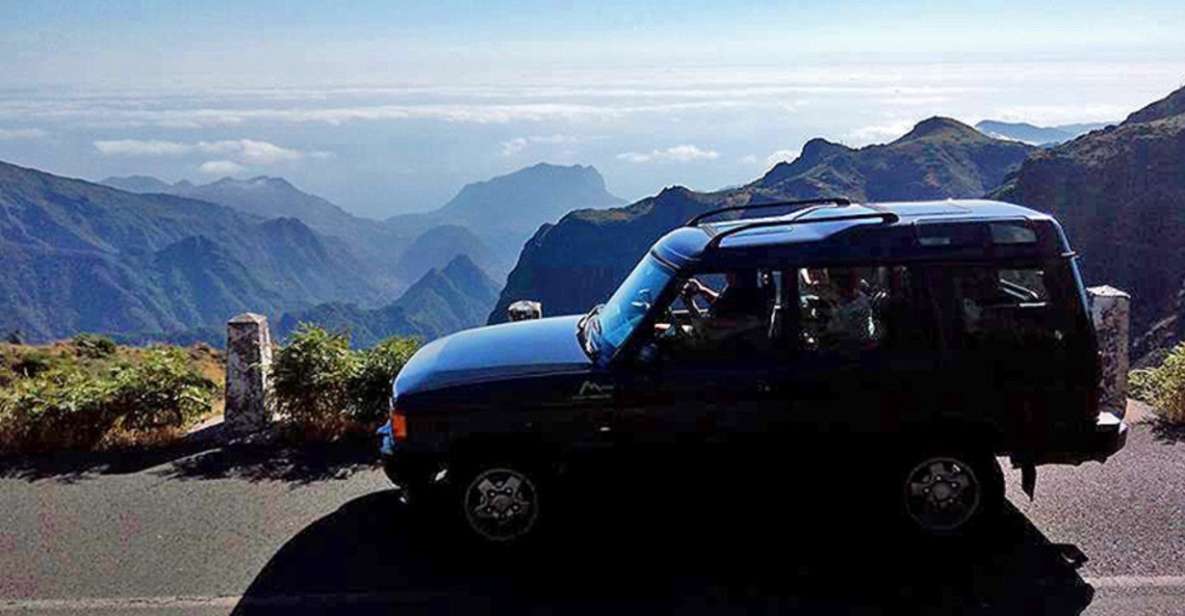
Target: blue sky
[(385, 107)]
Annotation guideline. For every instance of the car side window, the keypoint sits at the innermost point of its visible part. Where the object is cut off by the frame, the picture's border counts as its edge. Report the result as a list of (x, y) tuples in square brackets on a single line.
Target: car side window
[(1003, 306), (721, 316), (851, 310)]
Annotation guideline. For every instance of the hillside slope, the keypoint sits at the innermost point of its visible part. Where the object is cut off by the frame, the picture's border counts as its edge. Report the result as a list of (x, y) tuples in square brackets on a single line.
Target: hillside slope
[(1120, 193), (84, 257)]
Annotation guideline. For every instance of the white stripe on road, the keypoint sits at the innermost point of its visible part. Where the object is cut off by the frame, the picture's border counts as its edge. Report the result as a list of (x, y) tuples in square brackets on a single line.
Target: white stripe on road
[(1129, 582)]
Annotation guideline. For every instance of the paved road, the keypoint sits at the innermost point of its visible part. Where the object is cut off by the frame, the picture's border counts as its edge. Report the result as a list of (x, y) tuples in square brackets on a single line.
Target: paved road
[(254, 531)]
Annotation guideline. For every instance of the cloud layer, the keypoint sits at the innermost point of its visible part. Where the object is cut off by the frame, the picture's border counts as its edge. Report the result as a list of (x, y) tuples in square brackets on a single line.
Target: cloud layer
[(679, 153), (240, 151), (221, 167), (12, 134)]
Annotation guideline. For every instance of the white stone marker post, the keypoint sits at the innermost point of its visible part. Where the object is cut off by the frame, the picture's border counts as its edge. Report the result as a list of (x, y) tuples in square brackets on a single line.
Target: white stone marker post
[(248, 364), (1110, 309)]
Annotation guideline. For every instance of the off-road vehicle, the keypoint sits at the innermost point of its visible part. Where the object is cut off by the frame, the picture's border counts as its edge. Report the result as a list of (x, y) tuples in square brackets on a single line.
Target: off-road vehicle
[(920, 339)]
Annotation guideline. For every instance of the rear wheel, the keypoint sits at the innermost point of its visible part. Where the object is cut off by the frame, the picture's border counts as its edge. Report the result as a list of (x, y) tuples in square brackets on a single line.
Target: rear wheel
[(951, 493)]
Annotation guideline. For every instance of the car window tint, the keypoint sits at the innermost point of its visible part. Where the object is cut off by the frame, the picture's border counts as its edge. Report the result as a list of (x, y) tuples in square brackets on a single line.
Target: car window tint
[(1003, 306), (849, 310), (1012, 233)]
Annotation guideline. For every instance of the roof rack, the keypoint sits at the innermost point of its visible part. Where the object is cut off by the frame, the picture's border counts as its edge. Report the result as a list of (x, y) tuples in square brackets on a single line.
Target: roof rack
[(837, 201), (884, 215)]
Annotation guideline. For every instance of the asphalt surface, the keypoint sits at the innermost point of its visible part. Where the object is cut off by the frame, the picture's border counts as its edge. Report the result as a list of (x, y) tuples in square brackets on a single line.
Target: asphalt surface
[(265, 530)]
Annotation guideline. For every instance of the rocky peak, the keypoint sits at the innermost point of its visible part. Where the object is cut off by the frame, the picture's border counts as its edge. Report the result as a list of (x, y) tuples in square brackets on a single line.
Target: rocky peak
[(1167, 107), (940, 128)]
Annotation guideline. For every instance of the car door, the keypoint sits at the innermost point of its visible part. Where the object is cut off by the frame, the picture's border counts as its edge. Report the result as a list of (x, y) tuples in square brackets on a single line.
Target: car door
[(852, 394)]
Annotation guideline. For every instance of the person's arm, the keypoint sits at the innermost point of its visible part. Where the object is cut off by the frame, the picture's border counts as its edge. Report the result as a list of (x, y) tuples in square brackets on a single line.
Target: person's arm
[(695, 287), (692, 288)]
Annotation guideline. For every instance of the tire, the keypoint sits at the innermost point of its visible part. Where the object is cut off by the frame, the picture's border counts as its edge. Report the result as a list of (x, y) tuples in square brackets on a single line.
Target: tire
[(950, 494), (499, 501)]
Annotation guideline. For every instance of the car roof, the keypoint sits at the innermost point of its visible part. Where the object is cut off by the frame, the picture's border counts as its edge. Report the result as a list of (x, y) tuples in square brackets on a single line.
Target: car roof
[(842, 231)]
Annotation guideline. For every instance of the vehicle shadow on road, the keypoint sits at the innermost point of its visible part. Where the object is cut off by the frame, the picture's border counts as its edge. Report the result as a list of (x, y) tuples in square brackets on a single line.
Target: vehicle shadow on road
[(372, 555), (1168, 432)]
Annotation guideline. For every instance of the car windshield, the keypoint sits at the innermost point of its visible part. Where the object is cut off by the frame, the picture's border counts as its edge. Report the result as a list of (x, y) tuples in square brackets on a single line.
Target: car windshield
[(608, 326)]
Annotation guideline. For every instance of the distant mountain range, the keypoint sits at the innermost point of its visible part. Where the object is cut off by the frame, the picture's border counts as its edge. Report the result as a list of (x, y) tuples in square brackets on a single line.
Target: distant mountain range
[(1120, 193), (84, 257), (444, 301), (487, 221), (1036, 135), (161, 261), (576, 263), (372, 243), (504, 211)]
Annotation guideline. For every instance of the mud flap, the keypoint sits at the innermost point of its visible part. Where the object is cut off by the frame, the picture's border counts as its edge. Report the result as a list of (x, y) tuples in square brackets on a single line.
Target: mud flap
[(1028, 478)]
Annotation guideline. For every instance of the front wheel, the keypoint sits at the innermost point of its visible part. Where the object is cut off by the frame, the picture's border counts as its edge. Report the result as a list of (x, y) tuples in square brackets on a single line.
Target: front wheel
[(951, 493), (500, 501)]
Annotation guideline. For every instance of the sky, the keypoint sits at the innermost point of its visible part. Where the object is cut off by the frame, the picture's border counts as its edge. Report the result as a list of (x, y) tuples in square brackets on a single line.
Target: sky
[(387, 107)]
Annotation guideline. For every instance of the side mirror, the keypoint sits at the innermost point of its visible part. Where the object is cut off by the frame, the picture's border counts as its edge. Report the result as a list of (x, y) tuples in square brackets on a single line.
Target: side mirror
[(524, 310)]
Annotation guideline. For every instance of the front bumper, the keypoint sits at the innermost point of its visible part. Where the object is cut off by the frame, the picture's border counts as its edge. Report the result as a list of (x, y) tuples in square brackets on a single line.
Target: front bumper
[(406, 468)]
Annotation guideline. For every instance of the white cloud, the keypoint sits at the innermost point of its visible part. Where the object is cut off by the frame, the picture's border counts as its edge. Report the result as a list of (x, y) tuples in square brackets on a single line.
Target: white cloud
[(782, 155), (21, 133), (518, 144), (1062, 114), (880, 133), (242, 151), (220, 167), (680, 153)]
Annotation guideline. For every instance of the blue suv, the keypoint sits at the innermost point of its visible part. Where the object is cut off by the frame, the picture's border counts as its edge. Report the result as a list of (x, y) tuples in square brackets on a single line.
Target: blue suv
[(922, 339)]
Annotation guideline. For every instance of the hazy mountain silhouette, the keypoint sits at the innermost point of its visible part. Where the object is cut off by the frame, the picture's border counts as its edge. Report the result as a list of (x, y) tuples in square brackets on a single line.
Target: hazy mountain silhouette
[(504, 211), (1036, 135), (80, 256), (445, 300)]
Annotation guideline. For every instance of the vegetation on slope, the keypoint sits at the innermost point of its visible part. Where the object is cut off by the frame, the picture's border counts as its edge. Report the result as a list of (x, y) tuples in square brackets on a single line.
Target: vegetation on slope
[(89, 393)]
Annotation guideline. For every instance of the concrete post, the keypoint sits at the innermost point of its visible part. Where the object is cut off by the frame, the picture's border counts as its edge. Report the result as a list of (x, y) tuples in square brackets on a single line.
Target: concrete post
[(1110, 309), (248, 363)]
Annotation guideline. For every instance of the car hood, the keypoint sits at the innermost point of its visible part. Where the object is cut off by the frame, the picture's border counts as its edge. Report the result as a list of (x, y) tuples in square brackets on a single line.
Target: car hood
[(523, 348)]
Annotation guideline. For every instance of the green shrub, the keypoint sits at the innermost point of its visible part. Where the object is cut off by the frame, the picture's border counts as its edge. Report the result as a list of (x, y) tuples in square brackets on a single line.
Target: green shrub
[(324, 388), (310, 377), (160, 390), (1163, 386), (33, 363), (69, 407), (370, 388), (63, 408), (93, 346)]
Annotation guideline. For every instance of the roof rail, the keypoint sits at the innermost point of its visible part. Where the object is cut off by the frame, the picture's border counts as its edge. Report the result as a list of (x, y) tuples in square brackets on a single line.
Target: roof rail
[(838, 201), (885, 216)]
